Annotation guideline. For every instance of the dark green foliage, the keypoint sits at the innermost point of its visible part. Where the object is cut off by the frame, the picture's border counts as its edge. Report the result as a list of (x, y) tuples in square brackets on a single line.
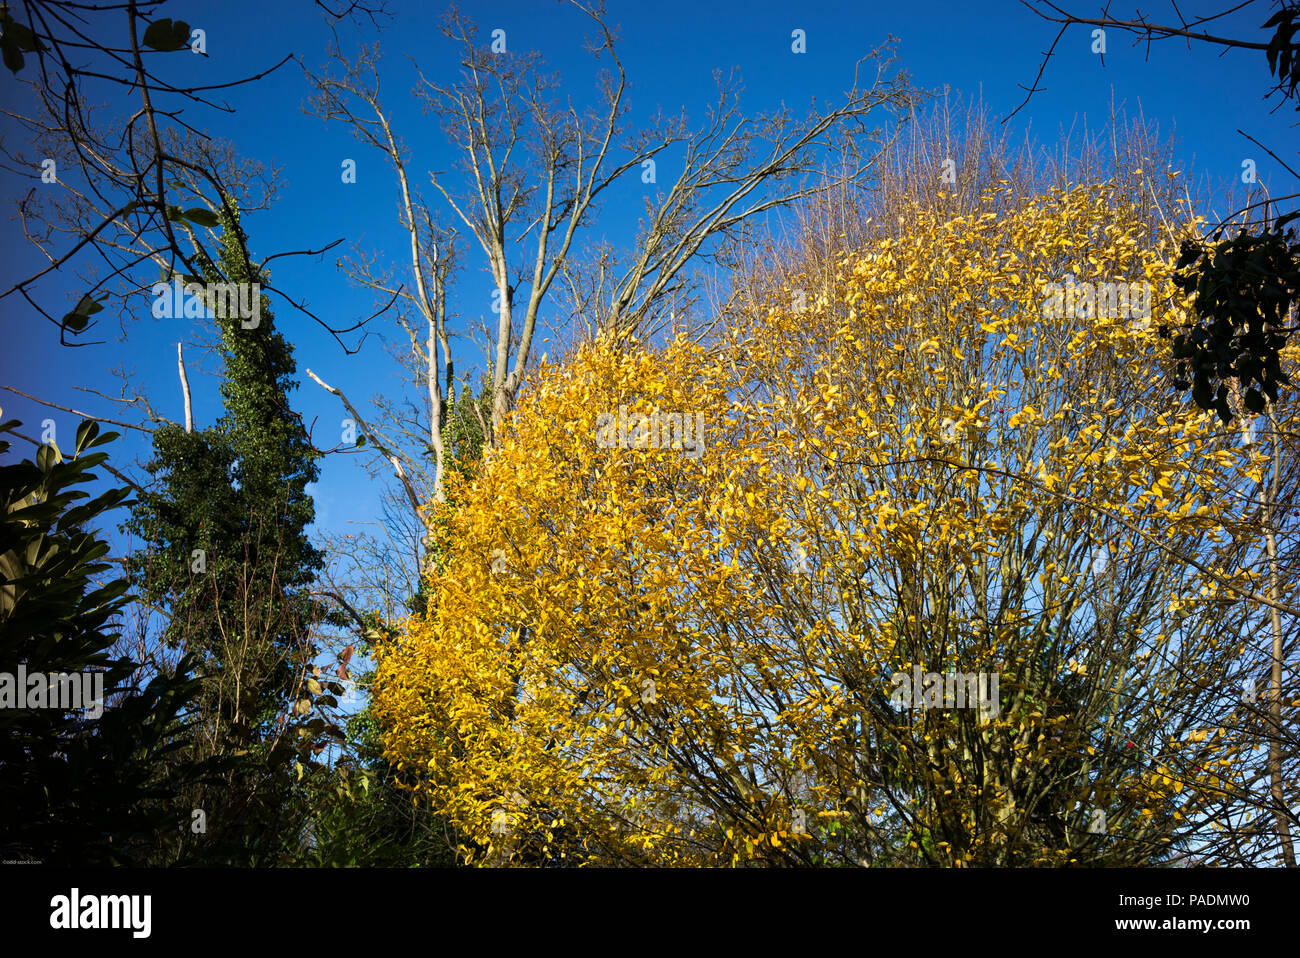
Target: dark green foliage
[(167, 36), (1283, 53), (363, 819), (1245, 288), (75, 789), (462, 435), (16, 38), (236, 493)]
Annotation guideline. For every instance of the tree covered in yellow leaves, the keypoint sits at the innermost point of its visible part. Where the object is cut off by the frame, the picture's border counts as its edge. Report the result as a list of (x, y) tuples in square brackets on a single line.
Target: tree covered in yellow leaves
[(681, 596)]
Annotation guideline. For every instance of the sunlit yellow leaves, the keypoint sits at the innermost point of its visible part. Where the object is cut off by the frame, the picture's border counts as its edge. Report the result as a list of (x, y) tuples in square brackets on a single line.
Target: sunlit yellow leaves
[(674, 634), (1029, 415)]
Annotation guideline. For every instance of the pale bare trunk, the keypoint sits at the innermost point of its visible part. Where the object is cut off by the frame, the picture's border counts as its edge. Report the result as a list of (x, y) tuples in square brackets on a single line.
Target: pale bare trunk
[(185, 390), (1275, 676), (500, 394)]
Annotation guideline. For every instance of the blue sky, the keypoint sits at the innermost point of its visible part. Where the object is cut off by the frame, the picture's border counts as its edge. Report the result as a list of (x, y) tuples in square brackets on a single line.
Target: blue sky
[(670, 50)]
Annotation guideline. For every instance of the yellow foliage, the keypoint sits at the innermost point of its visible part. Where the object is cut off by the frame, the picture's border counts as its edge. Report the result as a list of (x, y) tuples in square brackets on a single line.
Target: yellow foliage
[(686, 649)]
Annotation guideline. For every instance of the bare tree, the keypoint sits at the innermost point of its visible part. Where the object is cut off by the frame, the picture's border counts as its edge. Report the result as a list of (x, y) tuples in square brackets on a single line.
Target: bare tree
[(534, 172)]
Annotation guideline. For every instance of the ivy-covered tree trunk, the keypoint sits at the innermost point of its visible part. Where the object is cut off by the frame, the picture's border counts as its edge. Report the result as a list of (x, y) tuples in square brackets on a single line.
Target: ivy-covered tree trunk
[(226, 554)]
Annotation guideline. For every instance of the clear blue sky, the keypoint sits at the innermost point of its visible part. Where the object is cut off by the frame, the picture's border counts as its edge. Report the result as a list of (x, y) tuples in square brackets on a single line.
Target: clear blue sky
[(670, 50)]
